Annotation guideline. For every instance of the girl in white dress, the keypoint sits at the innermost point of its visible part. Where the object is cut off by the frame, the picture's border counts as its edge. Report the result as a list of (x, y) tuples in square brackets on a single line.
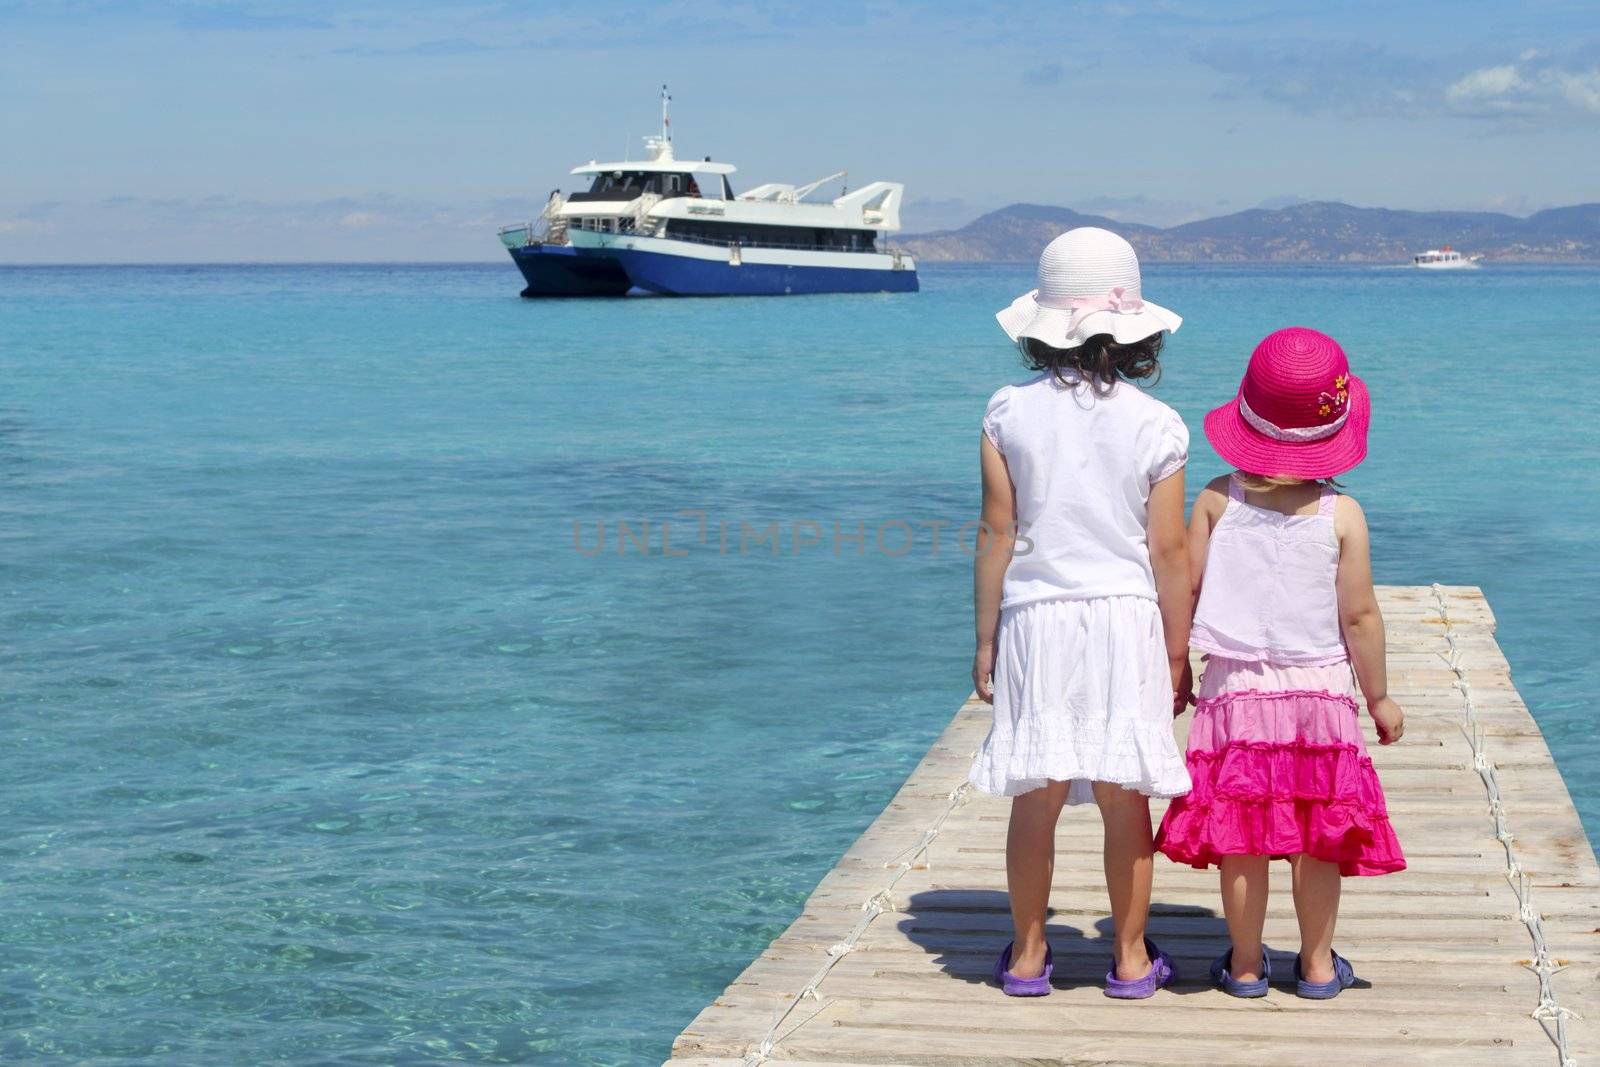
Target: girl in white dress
[(1081, 594)]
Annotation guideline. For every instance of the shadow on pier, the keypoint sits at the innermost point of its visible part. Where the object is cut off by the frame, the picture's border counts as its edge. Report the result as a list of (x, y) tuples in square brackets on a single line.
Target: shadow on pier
[(965, 929)]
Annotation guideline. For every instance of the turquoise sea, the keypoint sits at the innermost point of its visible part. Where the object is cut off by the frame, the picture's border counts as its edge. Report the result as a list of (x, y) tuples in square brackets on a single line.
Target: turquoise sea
[(323, 742)]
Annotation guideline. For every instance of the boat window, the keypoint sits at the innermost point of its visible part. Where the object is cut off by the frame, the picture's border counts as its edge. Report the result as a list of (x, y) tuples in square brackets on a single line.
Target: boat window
[(707, 187), (612, 185), (758, 235)]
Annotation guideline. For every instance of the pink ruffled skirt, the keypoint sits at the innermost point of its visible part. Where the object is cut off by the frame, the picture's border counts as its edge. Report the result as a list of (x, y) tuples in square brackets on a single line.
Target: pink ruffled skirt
[(1280, 768)]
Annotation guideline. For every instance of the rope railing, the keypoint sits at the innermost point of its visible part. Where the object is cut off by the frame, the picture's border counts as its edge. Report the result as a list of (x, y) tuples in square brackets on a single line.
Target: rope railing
[(1551, 1016), (874, 906)]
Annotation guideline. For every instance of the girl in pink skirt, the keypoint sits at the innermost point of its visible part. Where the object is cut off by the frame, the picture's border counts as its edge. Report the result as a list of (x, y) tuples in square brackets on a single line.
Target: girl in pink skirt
[(1286, 610)]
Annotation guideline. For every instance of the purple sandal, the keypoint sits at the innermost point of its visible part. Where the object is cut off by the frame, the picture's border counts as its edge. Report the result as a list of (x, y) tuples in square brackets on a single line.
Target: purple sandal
[(1161, 974), (1022, 987), (1222, 976), (1344, 976)]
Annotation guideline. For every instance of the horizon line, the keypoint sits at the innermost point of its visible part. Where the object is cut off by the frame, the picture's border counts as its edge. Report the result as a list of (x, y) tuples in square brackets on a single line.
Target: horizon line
[(936, 264), (7, 264)]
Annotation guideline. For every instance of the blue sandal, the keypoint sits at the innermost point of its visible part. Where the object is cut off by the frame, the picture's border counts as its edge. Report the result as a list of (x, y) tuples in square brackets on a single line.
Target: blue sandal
[(1022, 987), (1220, 974), (1344, 976)]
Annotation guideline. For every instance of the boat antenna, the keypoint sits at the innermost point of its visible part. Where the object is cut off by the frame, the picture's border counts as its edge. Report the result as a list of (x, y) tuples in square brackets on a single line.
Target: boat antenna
[(666, 123)]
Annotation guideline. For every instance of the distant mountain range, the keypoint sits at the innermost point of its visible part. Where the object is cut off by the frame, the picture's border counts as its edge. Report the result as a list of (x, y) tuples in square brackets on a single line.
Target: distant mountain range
[(1321, 231)]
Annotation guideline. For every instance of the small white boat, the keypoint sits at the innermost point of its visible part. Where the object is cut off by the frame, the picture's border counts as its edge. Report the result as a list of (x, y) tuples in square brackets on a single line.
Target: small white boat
[(1445, 258)]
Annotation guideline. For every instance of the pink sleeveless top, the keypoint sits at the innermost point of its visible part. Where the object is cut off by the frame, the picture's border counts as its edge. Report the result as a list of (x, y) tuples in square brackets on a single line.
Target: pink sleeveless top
[(1269, 591)]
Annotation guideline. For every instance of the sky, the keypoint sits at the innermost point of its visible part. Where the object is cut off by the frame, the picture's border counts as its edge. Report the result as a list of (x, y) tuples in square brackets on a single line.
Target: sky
[(352, 131)]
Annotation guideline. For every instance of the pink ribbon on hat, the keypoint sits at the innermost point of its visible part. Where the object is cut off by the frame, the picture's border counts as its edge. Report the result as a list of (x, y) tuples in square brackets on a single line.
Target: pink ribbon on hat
[(1082, 307), (1291, 434)]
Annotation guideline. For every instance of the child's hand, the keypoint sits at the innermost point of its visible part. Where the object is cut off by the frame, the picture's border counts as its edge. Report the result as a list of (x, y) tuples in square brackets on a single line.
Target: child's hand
[(1389, 719), (1182, 687), (983, 672)]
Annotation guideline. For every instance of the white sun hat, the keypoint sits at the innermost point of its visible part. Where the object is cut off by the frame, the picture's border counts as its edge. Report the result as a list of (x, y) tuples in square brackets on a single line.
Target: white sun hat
[(1088, 285)]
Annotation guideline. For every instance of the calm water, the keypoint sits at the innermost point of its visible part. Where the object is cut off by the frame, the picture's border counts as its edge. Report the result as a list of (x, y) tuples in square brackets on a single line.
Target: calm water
[(323, 743)]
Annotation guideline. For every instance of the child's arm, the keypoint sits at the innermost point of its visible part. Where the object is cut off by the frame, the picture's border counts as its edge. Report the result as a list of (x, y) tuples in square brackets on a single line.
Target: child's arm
[(1208, 508), (1362, 622), (997, 537), (1169, 559)]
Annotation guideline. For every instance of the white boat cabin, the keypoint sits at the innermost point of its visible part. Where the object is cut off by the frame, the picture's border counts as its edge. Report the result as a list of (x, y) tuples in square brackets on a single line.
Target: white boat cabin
[(1443, 258)]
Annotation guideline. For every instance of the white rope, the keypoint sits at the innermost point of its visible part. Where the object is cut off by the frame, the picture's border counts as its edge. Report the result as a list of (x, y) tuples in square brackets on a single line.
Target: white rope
[(874, 906), (1552, 1017)]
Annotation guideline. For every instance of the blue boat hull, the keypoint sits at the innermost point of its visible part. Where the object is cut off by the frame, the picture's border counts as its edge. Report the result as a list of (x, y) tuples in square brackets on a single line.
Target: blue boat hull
[(673, 275), (561, 270)]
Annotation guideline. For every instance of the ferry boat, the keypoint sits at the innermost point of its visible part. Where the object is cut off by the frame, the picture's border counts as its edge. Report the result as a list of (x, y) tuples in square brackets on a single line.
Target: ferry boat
[(677, 228), (1445, 258)]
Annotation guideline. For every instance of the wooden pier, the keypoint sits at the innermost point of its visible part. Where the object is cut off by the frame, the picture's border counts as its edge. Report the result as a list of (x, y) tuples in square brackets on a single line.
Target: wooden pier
[(1485, 951)]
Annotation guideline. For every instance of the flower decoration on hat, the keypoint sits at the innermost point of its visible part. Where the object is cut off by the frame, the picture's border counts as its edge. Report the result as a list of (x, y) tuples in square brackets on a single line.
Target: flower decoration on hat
[(1336, 400)]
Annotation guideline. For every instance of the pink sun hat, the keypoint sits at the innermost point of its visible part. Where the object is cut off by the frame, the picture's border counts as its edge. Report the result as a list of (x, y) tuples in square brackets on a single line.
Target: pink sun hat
[(1300, 413)]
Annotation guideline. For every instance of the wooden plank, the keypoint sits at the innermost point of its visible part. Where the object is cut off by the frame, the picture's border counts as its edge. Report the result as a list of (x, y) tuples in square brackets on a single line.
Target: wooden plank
[(1443, 944)]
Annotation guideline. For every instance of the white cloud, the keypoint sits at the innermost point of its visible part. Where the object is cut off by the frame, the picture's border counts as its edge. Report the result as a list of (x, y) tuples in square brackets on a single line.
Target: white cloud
[(1490, 83), (1363, 81), (360, 220), (1582, 90), (1526, 88)]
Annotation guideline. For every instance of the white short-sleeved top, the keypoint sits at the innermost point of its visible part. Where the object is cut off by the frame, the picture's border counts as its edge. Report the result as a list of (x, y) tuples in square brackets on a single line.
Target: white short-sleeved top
[(1082, 466)]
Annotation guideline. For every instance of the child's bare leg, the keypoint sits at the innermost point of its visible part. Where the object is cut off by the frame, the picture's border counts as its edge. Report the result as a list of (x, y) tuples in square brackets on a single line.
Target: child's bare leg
[(1030, 869), (1316, 907), (1129, 864), (1244, 903)]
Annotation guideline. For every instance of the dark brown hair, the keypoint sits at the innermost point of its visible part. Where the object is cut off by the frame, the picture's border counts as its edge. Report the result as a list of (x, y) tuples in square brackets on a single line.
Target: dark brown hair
[(1099, 360)]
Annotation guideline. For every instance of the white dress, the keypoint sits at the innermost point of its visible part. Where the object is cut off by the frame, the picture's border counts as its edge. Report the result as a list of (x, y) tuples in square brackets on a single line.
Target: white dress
[(1082, 692)]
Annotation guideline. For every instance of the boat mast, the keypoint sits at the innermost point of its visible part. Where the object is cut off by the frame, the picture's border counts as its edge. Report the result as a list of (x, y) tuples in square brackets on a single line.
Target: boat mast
[(666, 123)]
